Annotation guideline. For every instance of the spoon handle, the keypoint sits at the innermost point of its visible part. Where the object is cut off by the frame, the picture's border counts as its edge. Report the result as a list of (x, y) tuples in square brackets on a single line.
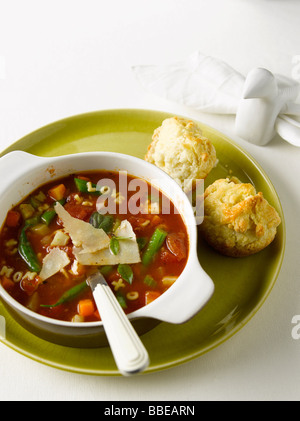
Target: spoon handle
[(128, 350)]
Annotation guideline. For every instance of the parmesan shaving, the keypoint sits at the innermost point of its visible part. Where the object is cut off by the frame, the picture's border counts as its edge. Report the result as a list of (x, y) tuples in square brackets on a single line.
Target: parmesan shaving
[(128, 253), (83, 234), (53, 263)]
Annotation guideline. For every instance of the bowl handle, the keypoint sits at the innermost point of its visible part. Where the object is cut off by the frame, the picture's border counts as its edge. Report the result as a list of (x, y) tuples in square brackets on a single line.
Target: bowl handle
[(185, 298), (14, 163)]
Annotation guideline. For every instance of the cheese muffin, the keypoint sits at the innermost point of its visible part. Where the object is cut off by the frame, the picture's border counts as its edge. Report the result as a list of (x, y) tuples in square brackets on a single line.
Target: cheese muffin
[(179, 149), (237, 220)]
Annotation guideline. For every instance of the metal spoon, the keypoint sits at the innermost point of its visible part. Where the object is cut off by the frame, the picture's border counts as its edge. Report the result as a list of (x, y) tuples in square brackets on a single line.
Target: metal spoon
[(128, 350)]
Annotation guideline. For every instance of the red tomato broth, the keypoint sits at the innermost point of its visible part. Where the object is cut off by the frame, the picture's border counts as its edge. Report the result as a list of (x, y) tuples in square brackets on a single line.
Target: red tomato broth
[(33, 294)]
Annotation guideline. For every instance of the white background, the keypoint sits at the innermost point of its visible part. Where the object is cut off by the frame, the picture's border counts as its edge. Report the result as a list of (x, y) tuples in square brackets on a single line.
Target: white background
[(59, 58)]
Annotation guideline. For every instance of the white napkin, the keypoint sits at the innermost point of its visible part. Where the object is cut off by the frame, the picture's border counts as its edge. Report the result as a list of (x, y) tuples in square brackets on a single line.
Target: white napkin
[(261, 101)]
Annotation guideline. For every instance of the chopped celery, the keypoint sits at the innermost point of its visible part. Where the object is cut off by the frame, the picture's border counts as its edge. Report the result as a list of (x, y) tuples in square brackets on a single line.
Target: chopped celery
[(148, 280), (27, 210), (34, 202), (33, 221)]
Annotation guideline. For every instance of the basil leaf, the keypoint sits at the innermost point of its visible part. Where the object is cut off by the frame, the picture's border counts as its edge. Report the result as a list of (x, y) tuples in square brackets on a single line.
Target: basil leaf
[(107, 223), (126, 272), (96, 219), (122, 300), (99, 221), (114, 245)]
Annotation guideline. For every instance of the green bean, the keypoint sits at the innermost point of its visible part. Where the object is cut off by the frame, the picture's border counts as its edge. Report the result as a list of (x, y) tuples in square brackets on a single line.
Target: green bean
[(27, 253), (48, 216), (155, 243), (68, 295), (82, 186)]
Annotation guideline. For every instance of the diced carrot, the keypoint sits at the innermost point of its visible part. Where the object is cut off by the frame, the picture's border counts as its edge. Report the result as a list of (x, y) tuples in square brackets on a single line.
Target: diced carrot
[(151, 296), (58, 192), (86, 308), (7, 283), (13, 219), (81, 177)]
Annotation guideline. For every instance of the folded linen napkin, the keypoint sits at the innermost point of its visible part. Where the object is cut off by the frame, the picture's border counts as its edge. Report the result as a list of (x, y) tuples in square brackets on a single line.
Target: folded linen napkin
[(262, 102)]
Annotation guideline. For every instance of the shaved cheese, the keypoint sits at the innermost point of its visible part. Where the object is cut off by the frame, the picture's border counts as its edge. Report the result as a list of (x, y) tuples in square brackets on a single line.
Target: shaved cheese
[(60, 239), (125, 230), (83, 234), (53, 263), (128, 253)]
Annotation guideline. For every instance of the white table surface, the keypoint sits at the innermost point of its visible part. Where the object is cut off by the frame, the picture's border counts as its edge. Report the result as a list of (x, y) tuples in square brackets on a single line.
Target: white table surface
[(60, 58)]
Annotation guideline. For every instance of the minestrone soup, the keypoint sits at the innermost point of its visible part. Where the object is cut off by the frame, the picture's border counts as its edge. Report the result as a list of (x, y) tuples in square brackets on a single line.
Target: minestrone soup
[(92, 221)]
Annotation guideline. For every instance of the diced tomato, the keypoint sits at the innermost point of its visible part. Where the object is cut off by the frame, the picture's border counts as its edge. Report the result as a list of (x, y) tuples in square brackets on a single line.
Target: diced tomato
[(176, 245), (7, 283), (167, 257), (13, 219), (30, 285), (79, 211)]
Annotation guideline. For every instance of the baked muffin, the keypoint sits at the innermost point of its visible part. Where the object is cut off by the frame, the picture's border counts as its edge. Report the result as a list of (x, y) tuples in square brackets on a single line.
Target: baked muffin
[(237, 220), (179, 149)]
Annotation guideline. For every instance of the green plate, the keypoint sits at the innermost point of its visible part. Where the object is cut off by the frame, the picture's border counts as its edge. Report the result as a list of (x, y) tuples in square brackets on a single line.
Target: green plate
[(241, 285)]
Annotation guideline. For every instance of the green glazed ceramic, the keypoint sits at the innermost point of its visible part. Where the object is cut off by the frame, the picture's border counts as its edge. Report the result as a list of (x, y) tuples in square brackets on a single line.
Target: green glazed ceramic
[(241, 285)]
